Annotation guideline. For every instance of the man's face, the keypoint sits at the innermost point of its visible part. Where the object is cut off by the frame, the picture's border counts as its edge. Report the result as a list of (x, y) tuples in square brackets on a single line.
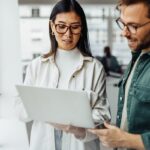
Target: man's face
[(136, 15)]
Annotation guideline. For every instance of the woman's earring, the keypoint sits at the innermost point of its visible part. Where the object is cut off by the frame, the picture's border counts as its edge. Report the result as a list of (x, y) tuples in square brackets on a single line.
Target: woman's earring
[(52, 33)]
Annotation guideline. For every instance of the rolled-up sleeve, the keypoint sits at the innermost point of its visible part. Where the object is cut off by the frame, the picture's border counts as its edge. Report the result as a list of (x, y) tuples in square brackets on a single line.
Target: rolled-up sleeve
[(146, 140)]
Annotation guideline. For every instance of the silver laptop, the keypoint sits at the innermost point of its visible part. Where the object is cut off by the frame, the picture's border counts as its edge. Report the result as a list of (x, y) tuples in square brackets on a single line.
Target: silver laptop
[(57, 106)]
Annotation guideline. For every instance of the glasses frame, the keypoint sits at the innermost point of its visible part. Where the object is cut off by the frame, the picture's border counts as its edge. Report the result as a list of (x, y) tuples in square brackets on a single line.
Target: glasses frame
[(128, 26), (68, 27)]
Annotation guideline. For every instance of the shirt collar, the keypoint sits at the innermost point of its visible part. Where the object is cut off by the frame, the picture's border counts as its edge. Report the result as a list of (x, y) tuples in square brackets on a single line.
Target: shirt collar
[(146, 51), (135, 55), (52, 60)]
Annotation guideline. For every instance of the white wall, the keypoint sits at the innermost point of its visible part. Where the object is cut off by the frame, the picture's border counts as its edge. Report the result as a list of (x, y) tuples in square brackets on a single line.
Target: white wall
[(13, 132), (10, 62), (10, 69)]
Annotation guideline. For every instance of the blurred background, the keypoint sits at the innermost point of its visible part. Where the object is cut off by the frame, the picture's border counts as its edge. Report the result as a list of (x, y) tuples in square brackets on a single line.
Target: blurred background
[(24, 36)]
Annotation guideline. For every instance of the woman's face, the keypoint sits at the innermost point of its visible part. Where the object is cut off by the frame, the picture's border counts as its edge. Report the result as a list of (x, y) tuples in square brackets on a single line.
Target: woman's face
[(67, 30)]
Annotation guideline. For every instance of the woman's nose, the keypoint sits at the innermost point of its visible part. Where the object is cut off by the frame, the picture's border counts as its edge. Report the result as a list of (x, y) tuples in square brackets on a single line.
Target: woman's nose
[(68, 32)]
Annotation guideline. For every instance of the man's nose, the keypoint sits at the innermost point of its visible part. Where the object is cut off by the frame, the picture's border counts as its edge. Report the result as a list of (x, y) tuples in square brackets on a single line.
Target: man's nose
[(125, 32)]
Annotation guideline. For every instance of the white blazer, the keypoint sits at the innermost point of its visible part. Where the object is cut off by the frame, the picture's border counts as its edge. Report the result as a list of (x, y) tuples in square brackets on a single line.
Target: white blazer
[(88, 76)]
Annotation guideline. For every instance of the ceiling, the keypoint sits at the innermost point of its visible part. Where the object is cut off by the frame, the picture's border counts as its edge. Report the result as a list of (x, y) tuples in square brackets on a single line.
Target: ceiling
[(80, 1)]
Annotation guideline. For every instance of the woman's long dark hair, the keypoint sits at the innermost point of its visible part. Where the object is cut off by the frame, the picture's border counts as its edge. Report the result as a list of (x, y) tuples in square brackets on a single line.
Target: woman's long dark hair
[(67, 6)]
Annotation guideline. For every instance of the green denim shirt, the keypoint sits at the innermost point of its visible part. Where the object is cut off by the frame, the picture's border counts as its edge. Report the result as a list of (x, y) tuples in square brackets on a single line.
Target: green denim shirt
[(138, 101)]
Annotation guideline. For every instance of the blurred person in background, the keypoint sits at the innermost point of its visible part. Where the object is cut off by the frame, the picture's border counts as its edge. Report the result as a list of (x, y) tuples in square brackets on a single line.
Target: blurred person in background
[(110, 62), (68, 65), (133, 117)]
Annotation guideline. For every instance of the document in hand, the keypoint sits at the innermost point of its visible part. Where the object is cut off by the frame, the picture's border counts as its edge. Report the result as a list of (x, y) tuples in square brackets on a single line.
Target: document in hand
[(57, 105)]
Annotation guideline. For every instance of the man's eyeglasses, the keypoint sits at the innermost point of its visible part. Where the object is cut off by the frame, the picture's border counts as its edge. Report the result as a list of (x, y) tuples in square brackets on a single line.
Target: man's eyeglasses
[(62, 28), (132, 28)]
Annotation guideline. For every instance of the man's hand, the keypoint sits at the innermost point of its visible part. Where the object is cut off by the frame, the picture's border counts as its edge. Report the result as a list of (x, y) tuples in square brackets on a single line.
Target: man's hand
[(114, 137)]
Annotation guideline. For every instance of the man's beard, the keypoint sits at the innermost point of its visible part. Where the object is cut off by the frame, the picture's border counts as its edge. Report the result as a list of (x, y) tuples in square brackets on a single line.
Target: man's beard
[(145, 43)]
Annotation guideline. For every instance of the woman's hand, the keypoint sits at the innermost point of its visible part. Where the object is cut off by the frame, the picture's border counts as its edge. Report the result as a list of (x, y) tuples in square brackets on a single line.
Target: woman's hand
[(77, 131), (59, 126)]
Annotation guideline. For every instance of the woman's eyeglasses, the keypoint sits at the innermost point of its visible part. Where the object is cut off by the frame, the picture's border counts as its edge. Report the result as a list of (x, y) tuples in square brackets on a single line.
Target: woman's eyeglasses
[(62, 28)]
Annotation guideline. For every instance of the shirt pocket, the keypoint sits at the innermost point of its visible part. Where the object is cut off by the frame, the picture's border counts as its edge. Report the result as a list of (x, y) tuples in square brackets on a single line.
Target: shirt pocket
[(142, 94), (140, 108)]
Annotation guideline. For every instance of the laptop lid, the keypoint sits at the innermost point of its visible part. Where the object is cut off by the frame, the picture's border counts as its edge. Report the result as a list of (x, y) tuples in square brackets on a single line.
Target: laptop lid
[(57, 105)]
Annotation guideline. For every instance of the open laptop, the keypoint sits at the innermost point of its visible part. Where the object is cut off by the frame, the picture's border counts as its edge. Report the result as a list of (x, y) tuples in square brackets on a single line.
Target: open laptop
[(57, 106)]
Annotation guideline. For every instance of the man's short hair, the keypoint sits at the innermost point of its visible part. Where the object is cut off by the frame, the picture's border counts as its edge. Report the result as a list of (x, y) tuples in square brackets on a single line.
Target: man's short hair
[(131, 2)]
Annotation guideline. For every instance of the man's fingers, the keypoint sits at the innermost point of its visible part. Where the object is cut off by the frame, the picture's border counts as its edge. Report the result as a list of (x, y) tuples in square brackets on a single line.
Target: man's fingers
[(99, 132), (109, 126)]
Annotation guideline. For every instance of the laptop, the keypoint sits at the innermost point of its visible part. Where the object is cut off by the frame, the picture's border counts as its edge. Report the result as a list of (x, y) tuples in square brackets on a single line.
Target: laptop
[(68, 107)]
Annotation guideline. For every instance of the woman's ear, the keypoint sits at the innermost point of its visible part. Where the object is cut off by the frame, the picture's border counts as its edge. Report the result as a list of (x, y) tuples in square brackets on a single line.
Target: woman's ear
[(51, 24)]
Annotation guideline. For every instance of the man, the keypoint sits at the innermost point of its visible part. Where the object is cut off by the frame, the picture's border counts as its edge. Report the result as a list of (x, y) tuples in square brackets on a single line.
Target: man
[(134, 95), (110, 62)]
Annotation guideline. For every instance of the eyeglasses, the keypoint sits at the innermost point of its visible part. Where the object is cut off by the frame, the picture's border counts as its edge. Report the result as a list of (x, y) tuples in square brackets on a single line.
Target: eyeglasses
[(62, 28), (132, 28)]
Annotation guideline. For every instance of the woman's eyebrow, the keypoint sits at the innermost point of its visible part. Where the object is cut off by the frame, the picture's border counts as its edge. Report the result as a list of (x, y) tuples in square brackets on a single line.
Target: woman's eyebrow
[(62, 22), (71, 23)]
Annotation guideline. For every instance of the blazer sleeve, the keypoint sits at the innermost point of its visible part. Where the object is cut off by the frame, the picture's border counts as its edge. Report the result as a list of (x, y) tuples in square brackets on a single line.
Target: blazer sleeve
[(19, 107), (98, 99)]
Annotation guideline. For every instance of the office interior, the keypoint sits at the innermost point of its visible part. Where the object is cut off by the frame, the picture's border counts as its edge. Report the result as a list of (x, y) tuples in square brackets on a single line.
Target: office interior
[(24, 36)]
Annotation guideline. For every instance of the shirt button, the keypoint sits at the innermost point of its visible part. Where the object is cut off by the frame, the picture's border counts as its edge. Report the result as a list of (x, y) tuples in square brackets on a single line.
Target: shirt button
[(118, 117), (121, 98)]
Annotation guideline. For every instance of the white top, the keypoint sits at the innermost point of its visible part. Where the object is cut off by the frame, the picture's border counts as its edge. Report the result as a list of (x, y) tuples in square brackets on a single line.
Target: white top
[(66, 61)]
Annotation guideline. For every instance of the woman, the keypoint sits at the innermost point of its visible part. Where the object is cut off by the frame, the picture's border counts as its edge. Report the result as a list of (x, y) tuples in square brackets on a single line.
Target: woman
[(69, 65)]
